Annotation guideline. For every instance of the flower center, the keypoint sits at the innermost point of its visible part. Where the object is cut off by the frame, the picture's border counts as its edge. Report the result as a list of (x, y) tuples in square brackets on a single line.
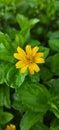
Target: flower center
[(30, 59)]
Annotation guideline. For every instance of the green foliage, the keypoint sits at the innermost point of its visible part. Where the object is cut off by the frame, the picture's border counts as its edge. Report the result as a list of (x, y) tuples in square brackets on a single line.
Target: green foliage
[(4, 96), (14, 78), (55, 125), (33, 97), (5, 117), (26, 99), (29, 119), (39, 126), (53, 43), (54, 63)]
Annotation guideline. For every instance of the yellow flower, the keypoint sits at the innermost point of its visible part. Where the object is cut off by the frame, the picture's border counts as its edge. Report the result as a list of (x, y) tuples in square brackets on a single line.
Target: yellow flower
[(11, 127), (28, 59)]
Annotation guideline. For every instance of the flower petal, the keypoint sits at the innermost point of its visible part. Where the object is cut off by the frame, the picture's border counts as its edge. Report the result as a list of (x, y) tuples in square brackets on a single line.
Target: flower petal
[(23, 69), (35, 67), (28, 50), (20, 56), (17, 56), (34, 50), (7, 127), (21, 53), (39, 60), (31, 69), (11, 127), (39, 54), (19, 64), (20, 50)]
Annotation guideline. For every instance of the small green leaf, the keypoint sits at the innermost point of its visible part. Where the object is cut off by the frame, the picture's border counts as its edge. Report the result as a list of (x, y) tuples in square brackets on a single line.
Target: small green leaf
[(5, 40), (32, 22), (4, 96), (19, 40), (34, 43), (54, 35), (5, 117), (54, 125), (53, 64), (39, 126), (14, 78), (25, 33), (17, 105), (29, 119), (45, 74), (5, 56), (54, 109), (54, 44), (45, 50), (35, 77), (2, 67), (22, 20), (54, 86)]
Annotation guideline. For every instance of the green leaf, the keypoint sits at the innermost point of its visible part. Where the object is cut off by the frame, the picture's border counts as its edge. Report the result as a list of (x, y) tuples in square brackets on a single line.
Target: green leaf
[(2, 72), (54, 105), (39, 126), (35, 77), (54, 86), (0, 128), (14, 78), (17, 105), (4, 96), (5, 117), (5, 40), (34, 96), (29, 119), (54, 109), (25, 33), (45, 74), (54, 44), (54, 90), (4, 67), (6, 48), (57, 4), (21, 37), (32, 22), (55, 64), (45, 50), (22, 20), (54, 35), (19, 40), (6, 55), (34, 43), (55, 125)]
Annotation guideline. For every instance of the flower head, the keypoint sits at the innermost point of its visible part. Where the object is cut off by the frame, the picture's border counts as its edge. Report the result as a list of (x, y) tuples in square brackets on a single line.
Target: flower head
[(11, 127), (29, 59)]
